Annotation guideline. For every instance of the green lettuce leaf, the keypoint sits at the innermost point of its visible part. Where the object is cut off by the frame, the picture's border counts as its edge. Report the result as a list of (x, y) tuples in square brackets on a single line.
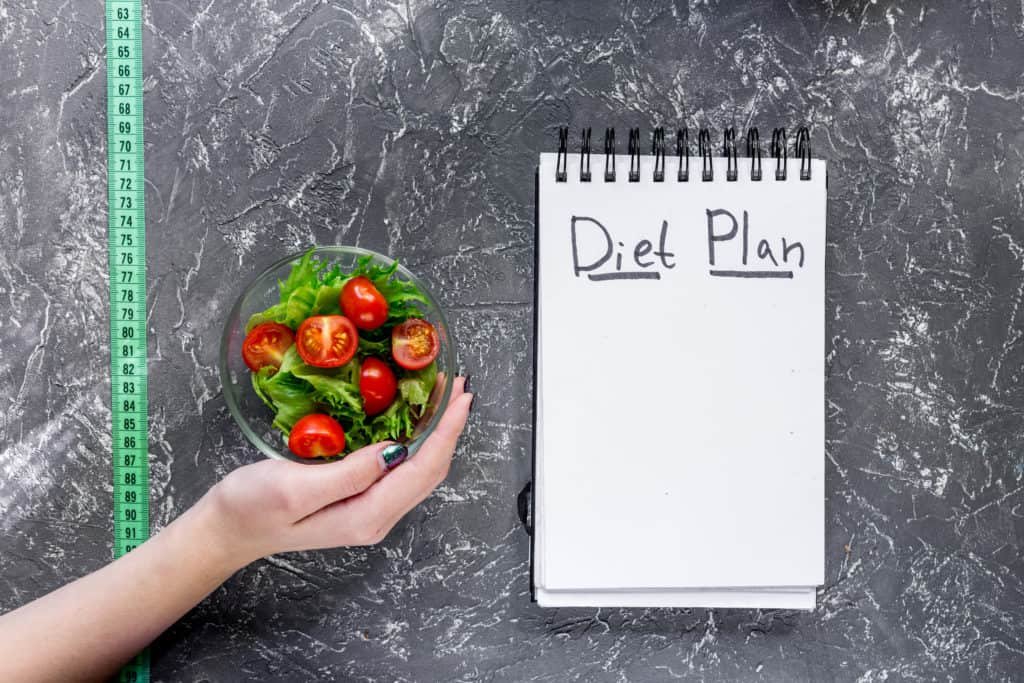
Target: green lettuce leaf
[(258, 378), (277, 313), (327, 301), (305, 273), (291, 396), (415, 386), (370, 347), (291, 359), (299, 306), (395, 423), (334, 388)]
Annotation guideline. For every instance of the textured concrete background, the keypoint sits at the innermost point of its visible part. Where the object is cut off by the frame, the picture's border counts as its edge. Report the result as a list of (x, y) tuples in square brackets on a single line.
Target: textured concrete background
[(413, 128)]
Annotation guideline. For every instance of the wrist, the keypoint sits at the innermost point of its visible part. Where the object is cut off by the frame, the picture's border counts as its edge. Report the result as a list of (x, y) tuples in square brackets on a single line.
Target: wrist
[(220, 549)]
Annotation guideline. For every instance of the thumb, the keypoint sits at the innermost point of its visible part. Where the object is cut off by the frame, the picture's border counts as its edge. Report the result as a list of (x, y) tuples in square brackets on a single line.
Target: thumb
[(317, 486)]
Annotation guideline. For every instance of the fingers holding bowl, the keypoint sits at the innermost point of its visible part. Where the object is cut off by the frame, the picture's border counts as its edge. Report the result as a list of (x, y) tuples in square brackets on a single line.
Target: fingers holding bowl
[(392, 497), (324, 485), (366, 517)]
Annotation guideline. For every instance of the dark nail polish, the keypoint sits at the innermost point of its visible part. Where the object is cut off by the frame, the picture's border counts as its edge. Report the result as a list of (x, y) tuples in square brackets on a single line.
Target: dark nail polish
[(394, 455), (472, 402), (465, 382)]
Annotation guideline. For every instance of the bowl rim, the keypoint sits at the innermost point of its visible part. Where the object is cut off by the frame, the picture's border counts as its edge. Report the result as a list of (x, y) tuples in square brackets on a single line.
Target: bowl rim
[(225, 373)]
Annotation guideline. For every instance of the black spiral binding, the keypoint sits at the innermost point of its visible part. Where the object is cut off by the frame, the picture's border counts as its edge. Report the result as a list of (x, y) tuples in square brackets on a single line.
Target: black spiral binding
[(585, 156), (609, 155), (732, 171), (754, 153), (563, 154), (803, 150), (683, 154), (779, 151), (658, 150), (704, 149), (634, 155)]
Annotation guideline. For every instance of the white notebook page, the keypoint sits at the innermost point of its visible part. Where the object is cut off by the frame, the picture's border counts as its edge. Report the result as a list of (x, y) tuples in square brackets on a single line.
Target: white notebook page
[(681, 419)]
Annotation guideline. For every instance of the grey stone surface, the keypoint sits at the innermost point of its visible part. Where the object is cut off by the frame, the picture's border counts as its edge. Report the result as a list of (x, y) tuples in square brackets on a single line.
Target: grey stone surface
[(413, 128)]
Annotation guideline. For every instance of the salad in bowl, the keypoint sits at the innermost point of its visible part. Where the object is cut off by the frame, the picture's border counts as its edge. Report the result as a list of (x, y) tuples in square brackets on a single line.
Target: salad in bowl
[(346, 350)]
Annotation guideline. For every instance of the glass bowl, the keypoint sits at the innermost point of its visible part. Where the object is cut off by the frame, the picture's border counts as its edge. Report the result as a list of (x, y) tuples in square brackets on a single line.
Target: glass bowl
[(253, 416)]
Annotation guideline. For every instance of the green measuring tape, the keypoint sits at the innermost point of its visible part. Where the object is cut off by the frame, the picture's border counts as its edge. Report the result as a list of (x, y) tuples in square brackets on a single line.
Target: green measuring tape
[(127, 235)]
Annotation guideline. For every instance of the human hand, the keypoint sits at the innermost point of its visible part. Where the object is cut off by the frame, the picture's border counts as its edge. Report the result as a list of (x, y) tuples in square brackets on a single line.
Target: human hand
[(276, 506)]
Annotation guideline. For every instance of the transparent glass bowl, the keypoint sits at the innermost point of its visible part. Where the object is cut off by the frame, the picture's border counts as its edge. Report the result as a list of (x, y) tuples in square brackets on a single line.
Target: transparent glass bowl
[(252, 415)]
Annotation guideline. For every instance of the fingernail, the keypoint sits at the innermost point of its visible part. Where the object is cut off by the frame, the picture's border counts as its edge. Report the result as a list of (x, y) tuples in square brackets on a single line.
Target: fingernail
[(392, 456), (465, 383), (472, 402)]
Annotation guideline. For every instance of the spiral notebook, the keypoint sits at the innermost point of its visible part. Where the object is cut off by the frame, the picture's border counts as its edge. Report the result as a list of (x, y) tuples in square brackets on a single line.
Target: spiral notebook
[(679, 406)]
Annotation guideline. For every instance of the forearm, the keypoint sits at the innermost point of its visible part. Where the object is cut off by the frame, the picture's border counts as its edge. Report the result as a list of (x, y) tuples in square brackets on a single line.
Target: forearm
[(87, 629)]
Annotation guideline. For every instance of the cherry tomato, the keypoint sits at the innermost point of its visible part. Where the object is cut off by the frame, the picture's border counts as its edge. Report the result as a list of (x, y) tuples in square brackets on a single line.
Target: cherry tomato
[(327, 341), (414, 344), (377, 384), (363, 303), (316, 436), (265, 345)]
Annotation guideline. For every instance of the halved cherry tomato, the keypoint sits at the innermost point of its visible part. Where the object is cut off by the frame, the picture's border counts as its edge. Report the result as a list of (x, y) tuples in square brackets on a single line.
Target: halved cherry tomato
[(265, 345), (414, 344), (377, 384), (316, 436), (327, 341), (363, 303)]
